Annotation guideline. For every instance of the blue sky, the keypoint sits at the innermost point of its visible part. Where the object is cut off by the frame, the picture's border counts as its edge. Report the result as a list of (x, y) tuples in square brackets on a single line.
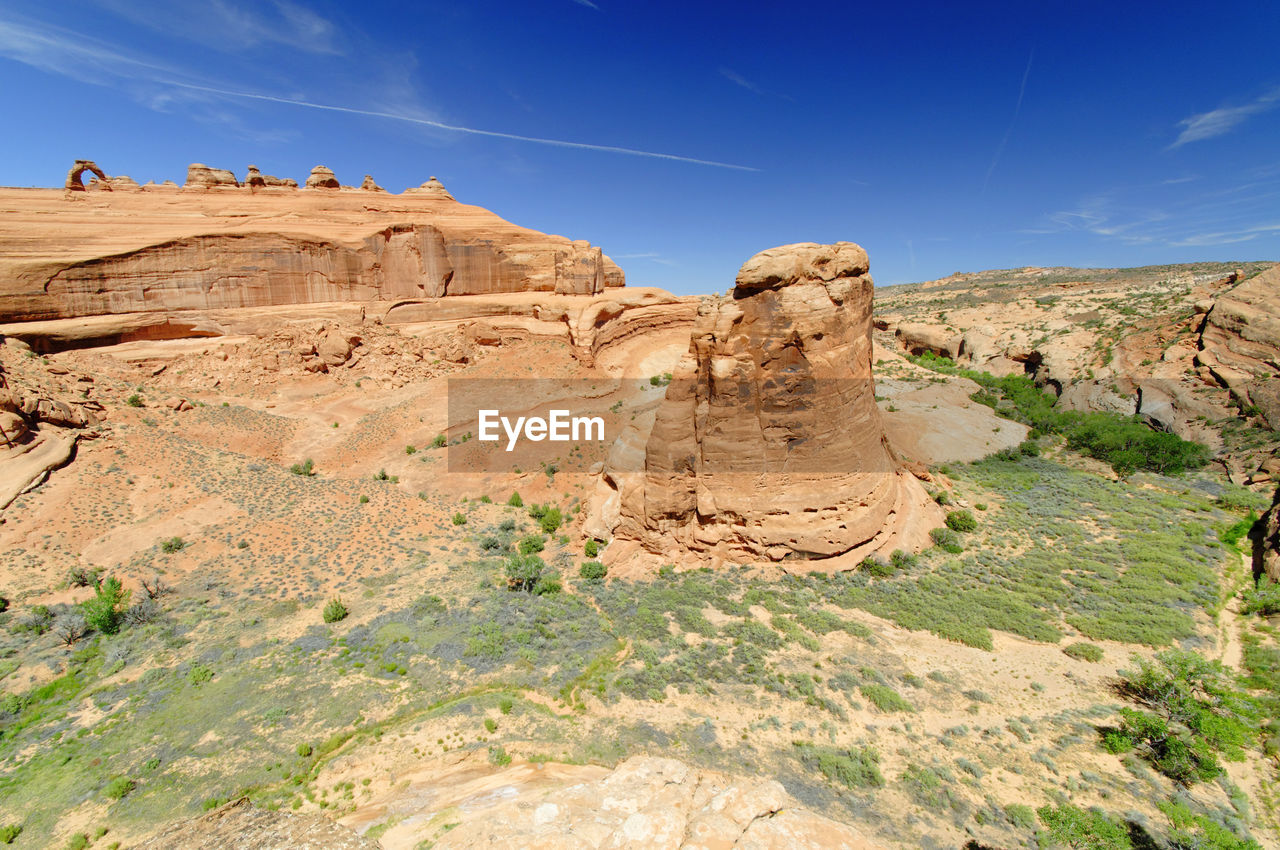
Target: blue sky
[(941, 136)]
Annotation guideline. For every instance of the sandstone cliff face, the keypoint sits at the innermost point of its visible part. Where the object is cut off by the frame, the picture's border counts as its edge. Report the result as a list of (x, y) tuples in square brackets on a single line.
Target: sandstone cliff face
[(1240, 342), (123, 253), (769, 443)]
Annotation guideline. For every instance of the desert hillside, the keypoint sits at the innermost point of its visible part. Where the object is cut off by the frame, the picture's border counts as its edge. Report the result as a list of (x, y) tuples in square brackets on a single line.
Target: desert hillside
[(943, 565)]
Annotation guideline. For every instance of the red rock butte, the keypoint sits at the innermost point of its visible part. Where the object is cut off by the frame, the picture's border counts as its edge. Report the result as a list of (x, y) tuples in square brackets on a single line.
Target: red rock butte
[(769, 442)]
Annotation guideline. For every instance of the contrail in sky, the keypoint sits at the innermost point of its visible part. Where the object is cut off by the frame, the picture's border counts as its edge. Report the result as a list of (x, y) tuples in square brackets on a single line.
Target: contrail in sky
[(459, 129), (1022, 90)]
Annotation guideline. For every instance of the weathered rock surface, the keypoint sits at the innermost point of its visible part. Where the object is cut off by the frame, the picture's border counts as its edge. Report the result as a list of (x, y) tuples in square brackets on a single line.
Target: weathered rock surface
[(75, 179), (200, 176), (1240, 342), (322, 178), (369, 185), (239, 825), (192, 252), (769, 443), (1268, 549), (433, 188), (646, 802), (44, 412)]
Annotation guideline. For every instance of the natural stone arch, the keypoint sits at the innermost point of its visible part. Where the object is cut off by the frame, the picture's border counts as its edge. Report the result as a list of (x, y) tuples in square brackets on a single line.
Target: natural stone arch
[(74, 180)]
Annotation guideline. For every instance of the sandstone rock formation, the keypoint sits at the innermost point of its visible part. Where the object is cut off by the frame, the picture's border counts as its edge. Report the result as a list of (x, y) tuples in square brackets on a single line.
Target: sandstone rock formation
[(322, 178), (769, 443), (200, 176), (74, 176), (1240, 343), (44, 411), (159, 260), (646, 802), (369, 185), (239, 824), (433, 188), (257, 180)]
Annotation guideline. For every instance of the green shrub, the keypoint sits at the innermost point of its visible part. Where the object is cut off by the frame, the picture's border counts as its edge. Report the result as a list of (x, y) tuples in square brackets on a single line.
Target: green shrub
[(304, 750), (550, 520), (364, 500), (885, 698), (903, 560), (334, 611), (459, 518), (876, 566), (1193, 712), (1083, 651), (410, 450), (961, 521), (523, 572), (134, 400), (515, 501), (498, 756), (591, 548), (439, 441), (173, 544), (9, 832), (946, 540), (852, 768), (1083, 830), (105, 611), (305, 469), (592, 571), (547, 585), (1263, 599), (119, 788), (199, 674), (1020, 816), (531, 543), (927, 787), (505, 704), (82, 577), (79, 841), (490, 725)]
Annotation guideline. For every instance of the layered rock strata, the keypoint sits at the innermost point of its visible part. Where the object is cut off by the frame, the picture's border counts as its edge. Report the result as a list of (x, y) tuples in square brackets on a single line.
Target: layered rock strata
[(769, 443), (1240, 343), (123, 254)]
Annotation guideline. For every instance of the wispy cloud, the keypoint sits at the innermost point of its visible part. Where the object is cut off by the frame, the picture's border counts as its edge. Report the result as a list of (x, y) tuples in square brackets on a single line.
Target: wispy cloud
[(588, 4), (1017, 107), (1218, 122), (73, 55), (1171, 215), (226, 26), (739, 80), (651, 256), (1227, 237)]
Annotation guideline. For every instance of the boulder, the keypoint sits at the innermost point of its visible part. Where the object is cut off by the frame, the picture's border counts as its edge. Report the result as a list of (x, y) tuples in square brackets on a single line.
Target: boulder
[(201, 176), (917, 338), (322, 178)]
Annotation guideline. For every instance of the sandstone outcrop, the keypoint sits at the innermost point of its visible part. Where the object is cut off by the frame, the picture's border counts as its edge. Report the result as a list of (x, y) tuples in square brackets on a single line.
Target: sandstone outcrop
[(433, 188), (164, 259), (646, 802), (769, 443), (1267, 547), (241, 824), (322, 178), (200, 176), (369, 185), (44, 412), (1240, 343), (75, 179), (255, 179)]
